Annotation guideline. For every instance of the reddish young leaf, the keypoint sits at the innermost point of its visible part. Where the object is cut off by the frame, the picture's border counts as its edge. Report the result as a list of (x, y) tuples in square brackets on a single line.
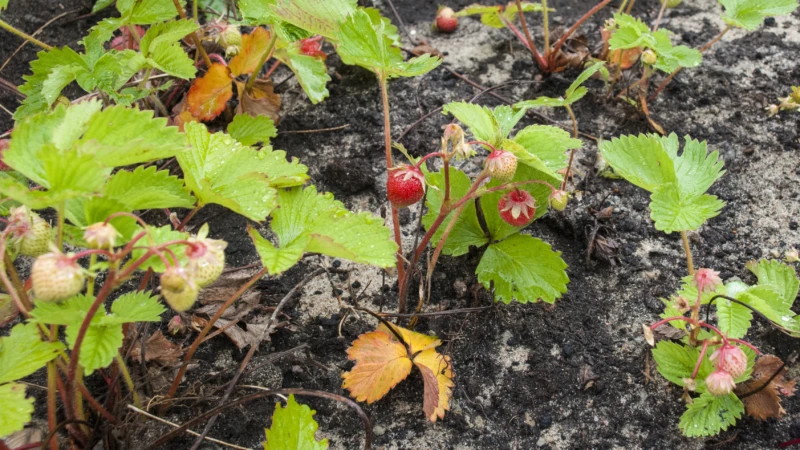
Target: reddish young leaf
[(209, 95), (766, 403), (253, 47), (260, 100)]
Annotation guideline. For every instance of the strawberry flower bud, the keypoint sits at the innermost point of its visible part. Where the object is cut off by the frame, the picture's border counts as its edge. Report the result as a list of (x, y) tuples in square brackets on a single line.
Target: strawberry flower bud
[(730, 358), (649, 57), (707, 280), (405, 186), (501, 165), (517, 208), (100, 235), (720, 383), (176, 325), (178, 289), (55, 277), (558, 200)]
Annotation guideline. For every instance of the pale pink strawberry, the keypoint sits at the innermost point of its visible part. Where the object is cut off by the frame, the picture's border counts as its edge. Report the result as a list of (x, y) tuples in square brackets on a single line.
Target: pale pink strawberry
[(405, 186), (206, 260), (707, 280), (100, 235), (501, 165), (517, 208), (731, 359), (720, 383), (55, 277)]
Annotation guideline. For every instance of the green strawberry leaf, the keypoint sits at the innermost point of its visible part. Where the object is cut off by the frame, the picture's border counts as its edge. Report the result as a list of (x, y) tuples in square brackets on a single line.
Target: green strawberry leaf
[(467, 231), (695, 169), (161, 46), (524, 269), (750, 14), (100, 344), (315, 17), (16, 410), (146, 12), (506, 118), (293, 427), (630, 32), (147, 188), (279, 259), (709, 414), (676, 362), (780, 277), (157, 236), (250, 130), (23, 352), (574, 92), (220, 170), (135, 307), (52, 68), (642, 160), (549, 145), (479, 119), (101, 5), (769, 302), (673, 211), (369, 45), (70, 312), (733, 319), (311, 72)]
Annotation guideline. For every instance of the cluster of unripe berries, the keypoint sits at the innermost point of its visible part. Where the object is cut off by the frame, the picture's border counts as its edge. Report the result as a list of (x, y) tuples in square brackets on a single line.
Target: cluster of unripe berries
[(57, 276), (731, 363), (405, 186)]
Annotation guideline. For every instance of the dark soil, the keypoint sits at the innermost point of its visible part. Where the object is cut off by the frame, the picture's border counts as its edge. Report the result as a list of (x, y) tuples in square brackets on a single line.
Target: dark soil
[(527, 376)]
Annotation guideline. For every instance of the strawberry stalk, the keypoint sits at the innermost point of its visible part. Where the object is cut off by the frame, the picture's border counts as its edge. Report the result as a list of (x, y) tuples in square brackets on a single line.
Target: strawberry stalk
[(8, 27), (196, 40), (573, 28)]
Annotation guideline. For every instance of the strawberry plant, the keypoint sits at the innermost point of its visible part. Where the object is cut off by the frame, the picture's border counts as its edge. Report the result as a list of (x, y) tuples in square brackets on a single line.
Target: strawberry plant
[(710, 361), (551, 59), (789, 103)]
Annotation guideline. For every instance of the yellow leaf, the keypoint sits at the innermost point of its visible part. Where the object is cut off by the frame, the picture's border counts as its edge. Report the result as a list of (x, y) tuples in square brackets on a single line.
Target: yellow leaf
[(209, 95), (381, 363), (253, 47)]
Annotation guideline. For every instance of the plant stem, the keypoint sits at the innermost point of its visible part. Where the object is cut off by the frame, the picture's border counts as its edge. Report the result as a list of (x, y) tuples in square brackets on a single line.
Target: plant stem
[(196, 40), (126, 375), (188, 217), (571, 153), (90, 287), (702, 49), (688, 250), (19, 286), (10, 28), (52, 390), (622, 6), (145, 78), (546, 22), (195, 16), (273, 37), (387, 144), (540, 61), (630, 7), (80, 413), (528, 36), (702, 355), (580, 21), (193, 348), (660, 15)]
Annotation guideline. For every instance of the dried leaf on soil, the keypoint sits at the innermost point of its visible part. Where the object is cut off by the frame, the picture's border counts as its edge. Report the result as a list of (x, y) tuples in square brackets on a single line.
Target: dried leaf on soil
[(766, 403), (209, 94), (157, 348), (260, 100), (382, 361)]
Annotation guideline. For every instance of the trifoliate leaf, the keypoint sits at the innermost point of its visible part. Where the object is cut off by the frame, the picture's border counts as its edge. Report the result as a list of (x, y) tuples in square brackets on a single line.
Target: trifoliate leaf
[(369, 45), (769, 302), (51, 67), (506, 118), (672, 58), (549, 144), (111, 71), (23, 352), (630, 32), (253, 47), (467, 231), (642, 160), (250, 130), (523, 268), (311, 72), (676, 362), (220, 170), (135, 307), (100, 344), (169, 32), (147, 188), (479, 119), (709, 414), (750, 14), (695, 169), (316, 17), (780, 277), (328, 228), (210, 93), (16, 410), (157, 236), (293, 427), (672, 210)]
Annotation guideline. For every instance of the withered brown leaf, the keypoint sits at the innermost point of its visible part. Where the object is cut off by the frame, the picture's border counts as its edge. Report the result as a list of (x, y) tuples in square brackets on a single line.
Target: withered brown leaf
[(766, 403)]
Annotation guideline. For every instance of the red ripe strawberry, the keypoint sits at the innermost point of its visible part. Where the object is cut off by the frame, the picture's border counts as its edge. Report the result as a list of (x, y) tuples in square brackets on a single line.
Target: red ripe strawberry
[(178, 289), (405, 186), (517, 208), (313, 47), (55, 277), (446, 21), (501, 165), (206, 260)]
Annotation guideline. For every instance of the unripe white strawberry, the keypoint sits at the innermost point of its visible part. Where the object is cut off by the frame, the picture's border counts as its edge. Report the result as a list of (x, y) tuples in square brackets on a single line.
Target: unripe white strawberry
[(649, 57), (55, 277), (501, 165), (34, 233), (558, 200), (206, 260), (731, 359), (100, 235), (178, 289), (720, 383), (230, 38)]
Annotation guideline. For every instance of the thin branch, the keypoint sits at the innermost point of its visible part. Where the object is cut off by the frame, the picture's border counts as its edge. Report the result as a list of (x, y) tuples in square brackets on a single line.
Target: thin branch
[(175, 425)]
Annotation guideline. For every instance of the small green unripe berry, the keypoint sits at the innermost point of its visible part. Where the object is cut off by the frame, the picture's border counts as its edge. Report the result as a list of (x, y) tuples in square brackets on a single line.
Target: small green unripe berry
[(649, 57), (34, 232), (558, 200), (501, 165), (178, 289)]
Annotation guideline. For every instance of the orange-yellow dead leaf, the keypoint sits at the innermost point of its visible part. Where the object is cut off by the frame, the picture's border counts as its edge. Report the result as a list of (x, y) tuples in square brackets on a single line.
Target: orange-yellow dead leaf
[(209, 95), (766, 403), (260, 100), (381, 363), (379, 354), (629, 57), (253, 47)]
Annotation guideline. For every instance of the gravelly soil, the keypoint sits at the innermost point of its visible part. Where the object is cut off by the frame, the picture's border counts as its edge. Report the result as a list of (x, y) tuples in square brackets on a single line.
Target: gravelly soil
[(521, 369)]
